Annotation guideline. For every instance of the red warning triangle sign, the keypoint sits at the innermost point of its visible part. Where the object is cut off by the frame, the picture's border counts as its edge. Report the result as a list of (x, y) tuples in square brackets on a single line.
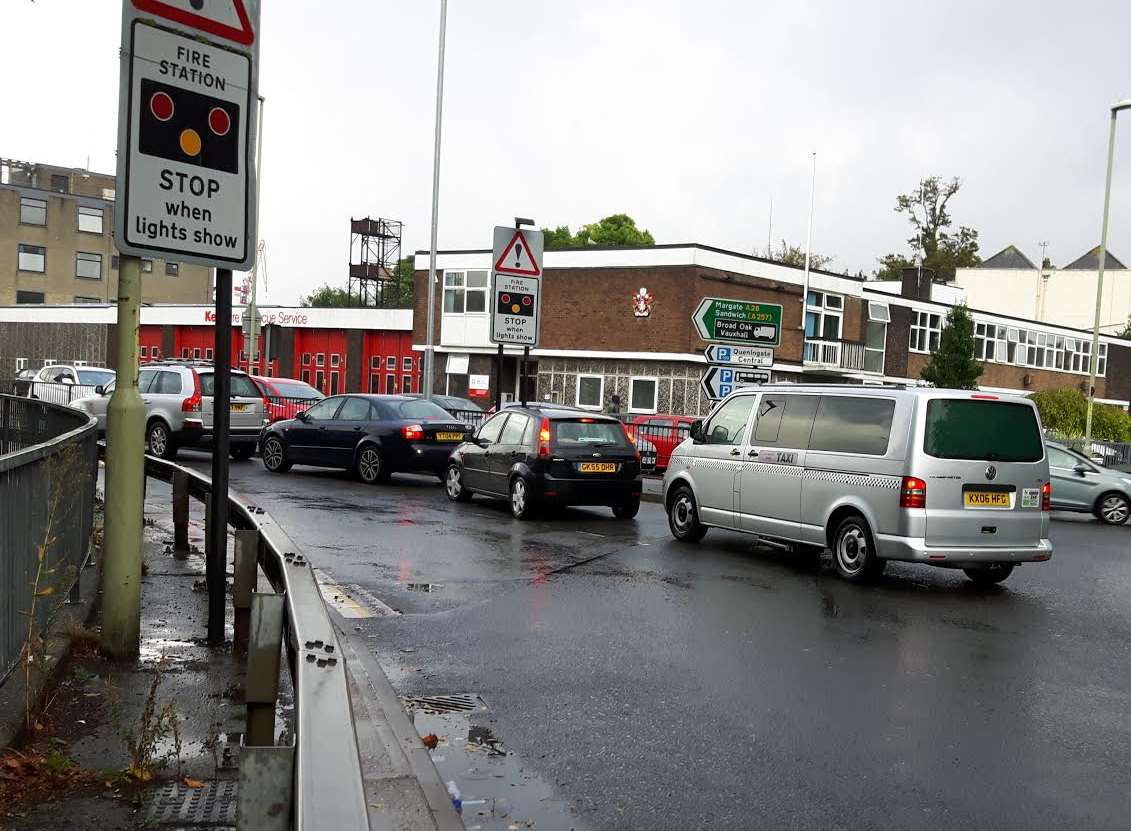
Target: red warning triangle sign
[(517, 258), (223, 18)]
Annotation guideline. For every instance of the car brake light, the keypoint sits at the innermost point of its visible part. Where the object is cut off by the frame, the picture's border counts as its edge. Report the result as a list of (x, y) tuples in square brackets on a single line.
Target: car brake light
[(1046, 496), (544, 438), (913, 493), (412, 432), (192, 403), (628, 431), (985, 397)]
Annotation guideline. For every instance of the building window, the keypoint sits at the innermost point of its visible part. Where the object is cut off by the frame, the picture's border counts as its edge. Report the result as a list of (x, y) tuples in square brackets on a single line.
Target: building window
[(142, 351), (306, 359), (21, 364), (208, 353), (390, 384), (90, 220), (33, 211), (30, 297), (185, 353), (333, 383), (155, 353), (406, 364), (391, 362), (172, 269), (59, 183), (80, 299), (590, 391), (823, 314), (642, 395), (32, 258), (335, 359), (926, 328), (406, 383), (304, 376), (88, 266), (374, 383), (875, 341), (319, 380), (374, 363), (990, 343), (146, 266), (465, 291), (196, 353), (320, 359)]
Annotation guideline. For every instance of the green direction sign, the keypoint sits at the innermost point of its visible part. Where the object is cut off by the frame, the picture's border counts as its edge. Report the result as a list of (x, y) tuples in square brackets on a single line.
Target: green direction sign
[(738, 321)]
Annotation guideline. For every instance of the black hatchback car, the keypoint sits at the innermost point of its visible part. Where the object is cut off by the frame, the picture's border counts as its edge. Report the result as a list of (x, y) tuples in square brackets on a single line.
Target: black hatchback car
[(372, 435), (550, 456)]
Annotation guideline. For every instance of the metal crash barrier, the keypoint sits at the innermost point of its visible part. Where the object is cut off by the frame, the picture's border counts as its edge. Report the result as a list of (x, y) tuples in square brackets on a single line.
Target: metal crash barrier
[(326, 789)]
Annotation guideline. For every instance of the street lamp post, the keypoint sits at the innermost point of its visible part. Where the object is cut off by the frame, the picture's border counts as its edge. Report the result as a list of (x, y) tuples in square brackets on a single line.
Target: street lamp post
[(429, 351), (1095, 356)]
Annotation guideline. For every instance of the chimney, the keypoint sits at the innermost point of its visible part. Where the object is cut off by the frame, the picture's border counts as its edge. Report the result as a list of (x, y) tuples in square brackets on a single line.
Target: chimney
[(916, 283)]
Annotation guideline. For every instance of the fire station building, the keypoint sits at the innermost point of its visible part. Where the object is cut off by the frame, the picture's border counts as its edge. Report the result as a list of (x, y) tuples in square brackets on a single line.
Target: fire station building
[(617, 334)]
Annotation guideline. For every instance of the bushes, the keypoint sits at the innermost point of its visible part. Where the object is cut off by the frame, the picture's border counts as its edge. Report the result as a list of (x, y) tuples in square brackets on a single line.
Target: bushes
[(1064, 411)]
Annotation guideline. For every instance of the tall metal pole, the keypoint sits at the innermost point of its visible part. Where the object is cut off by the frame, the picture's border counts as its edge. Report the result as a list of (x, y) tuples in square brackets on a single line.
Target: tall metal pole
[(429, 351), (1093, 364), (808, 247), (125, 478), (215, 567)]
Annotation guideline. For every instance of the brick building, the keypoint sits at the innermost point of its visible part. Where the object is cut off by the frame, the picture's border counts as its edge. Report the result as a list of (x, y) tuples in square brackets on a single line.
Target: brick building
[(598, 351), (57, 242)]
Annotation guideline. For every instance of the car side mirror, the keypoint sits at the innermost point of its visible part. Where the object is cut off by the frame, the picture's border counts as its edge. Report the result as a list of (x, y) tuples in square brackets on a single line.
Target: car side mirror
[(696, 432), (100, 390), (68, 381), (1080, 469), (302, 416)]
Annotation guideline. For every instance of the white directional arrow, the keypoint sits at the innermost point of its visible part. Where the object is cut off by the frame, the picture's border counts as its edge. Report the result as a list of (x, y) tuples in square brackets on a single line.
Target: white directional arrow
[(720, 381)]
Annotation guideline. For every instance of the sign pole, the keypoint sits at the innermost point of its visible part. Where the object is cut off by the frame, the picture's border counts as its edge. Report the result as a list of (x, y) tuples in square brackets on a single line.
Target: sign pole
[(429, 350), (525, 371), (216, 564), (125, 475), (499, 379)]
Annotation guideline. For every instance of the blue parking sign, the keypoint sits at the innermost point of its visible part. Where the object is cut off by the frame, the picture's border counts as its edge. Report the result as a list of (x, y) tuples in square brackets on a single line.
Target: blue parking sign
[(722, 354)]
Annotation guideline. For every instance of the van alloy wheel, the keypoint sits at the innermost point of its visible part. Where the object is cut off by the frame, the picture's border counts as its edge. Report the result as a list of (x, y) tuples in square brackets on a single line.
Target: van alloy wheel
[(854, 551), (683, 516)]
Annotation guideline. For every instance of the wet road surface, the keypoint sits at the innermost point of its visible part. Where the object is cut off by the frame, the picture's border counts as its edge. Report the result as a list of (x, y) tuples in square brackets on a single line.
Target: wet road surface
[(656, 685)]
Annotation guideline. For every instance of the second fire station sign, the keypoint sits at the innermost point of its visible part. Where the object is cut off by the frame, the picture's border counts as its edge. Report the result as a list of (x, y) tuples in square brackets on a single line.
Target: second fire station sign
[(186, 131), (516, 286)]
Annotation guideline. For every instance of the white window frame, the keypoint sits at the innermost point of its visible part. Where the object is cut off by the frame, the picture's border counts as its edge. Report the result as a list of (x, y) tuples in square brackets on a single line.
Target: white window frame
[(456, 285), (89, 211), (823, 309), (923, 331), (21, 364), (406, 364), (600, 393), (391, 363), (655, 395)]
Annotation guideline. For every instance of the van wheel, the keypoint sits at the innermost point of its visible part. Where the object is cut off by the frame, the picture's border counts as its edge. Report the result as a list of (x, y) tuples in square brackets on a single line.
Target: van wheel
[(989, 575), (1112, 509), (854, 552), (683, 516)]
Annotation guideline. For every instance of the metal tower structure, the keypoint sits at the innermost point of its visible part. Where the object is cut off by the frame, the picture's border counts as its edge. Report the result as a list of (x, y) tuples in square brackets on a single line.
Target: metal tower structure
[(375, 248)]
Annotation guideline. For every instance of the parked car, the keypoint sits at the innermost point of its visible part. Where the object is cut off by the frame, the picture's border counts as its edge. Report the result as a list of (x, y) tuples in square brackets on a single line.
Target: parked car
[(665, 432), (285, 397), (1080, 485), (942, 477), (647, 452), (461, 408), (372, 435), (548, 455), (179, 408), (64, 383)]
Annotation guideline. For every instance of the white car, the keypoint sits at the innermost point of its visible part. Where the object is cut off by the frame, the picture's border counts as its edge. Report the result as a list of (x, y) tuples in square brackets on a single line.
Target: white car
[(64, 383)]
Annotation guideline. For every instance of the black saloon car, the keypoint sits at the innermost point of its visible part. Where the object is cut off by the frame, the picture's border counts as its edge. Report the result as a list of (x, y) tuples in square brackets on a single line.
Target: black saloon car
[(372, 435), (550, 456)]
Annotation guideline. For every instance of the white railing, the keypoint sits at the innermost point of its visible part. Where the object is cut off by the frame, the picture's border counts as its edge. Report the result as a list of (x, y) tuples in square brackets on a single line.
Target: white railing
[(834, 354)]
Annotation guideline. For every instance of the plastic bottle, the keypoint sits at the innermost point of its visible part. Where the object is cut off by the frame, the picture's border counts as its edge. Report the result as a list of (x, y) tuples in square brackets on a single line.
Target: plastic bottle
[(453, 792)]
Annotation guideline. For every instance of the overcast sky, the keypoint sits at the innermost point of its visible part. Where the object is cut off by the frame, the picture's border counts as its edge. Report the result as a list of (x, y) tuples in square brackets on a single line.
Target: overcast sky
[(690, 116)]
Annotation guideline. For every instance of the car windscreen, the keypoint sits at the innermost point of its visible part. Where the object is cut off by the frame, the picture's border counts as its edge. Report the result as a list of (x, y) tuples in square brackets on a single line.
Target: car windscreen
[(95, 376), (415, 408), (296, 389), (994, 431), (242, 386), (587, 432)]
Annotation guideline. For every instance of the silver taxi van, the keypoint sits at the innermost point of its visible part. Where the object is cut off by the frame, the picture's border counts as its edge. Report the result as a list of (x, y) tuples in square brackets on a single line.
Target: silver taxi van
[(948, 478)]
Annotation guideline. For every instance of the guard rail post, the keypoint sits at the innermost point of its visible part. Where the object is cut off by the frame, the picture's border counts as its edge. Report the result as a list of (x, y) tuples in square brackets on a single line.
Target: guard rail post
[(244, 585), (180, 515), (262, 685)]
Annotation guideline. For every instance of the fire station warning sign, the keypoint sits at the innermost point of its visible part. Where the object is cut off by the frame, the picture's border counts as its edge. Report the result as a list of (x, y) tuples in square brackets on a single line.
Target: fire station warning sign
[(738, 321), (186, 177), (515, 309)]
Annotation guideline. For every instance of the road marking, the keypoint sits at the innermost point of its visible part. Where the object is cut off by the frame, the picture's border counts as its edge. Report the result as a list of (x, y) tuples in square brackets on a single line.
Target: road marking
[(347, 600), (591, 533)]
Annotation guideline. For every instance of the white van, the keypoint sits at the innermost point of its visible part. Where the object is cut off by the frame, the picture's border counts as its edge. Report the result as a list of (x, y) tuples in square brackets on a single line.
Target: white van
[(944, 477)]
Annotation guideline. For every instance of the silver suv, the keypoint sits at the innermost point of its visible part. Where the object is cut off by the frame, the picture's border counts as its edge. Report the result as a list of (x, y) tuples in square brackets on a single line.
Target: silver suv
[(178, 400), (940, 477)]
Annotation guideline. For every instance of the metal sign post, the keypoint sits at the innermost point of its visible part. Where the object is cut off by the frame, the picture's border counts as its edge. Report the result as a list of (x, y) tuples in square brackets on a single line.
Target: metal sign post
[(187, 135)]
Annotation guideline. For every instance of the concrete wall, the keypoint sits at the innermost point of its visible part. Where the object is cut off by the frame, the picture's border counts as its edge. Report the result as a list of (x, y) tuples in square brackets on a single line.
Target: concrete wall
[(57, 342)]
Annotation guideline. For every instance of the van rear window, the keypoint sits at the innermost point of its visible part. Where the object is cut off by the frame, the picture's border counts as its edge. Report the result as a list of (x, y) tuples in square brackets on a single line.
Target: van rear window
[(992, 431)]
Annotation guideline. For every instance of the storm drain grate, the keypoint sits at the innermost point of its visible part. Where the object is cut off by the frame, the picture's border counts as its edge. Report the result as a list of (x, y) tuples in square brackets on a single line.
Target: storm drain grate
[(461, 703), (212, 806)]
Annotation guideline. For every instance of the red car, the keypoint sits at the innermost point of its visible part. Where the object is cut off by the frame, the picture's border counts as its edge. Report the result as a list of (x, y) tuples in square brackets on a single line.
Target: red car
[(286, 397), (666, 432)]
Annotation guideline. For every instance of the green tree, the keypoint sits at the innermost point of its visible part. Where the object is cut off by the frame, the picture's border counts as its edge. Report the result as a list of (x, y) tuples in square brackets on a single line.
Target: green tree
[(952, 365), (326, 296), (614, 230), (940, 248), (1064, 412), (795, 255), (1125, 333)]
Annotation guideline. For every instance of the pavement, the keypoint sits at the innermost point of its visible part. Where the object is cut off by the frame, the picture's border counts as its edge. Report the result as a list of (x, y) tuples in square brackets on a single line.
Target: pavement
[(609, 677)]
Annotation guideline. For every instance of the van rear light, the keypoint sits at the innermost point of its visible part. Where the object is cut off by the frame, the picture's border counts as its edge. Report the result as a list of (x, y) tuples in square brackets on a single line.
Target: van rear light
[(544, 439), (1046, 496), (412, 432), (984, 397), (192, 403), (913, 493)]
